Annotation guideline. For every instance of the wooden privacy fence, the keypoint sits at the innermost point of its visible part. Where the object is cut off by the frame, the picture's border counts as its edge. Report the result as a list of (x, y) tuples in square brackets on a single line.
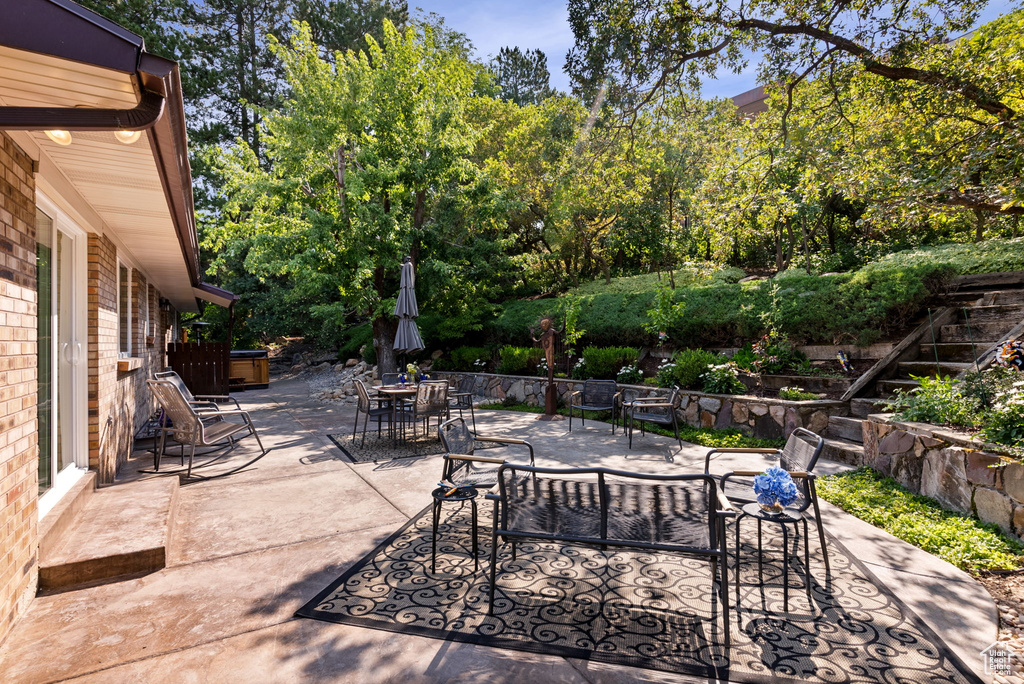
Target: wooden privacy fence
[(203, 366)]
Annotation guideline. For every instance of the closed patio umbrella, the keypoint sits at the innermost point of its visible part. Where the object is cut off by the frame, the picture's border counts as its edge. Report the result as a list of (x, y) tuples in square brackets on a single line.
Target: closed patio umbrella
[(407, 338)]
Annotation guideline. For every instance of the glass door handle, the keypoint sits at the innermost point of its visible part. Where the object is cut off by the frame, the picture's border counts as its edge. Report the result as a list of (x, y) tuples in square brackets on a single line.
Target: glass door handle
[(72, 352)]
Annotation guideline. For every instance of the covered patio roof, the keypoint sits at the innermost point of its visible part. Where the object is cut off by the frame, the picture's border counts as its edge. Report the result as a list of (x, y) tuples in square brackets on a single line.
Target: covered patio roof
[(64, 67)]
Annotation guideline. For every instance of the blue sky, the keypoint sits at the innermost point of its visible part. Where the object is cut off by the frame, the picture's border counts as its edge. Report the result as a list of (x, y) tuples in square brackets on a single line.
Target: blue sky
[(544, 24)]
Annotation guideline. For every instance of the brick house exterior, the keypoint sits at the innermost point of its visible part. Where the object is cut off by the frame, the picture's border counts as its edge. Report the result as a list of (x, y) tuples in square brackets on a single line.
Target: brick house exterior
[(98, 254), (18, 436)]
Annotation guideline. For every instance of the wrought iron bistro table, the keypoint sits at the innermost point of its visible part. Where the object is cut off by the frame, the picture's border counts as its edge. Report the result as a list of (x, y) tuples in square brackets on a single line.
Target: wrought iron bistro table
[(461, 495), (396, 394), (787, 517)]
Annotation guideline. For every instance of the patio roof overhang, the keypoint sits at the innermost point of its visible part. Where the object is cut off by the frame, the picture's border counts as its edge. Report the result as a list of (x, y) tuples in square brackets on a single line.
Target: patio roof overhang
[(64, 67)]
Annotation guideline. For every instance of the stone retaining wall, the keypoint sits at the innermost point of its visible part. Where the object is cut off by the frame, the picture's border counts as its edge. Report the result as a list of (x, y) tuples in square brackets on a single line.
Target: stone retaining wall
[(961, 473), (760, 417)]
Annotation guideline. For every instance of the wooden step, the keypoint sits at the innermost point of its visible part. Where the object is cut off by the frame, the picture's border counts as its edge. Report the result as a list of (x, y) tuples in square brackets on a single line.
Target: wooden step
[(843, 452), (1009, 297), (982, 332), (887, 387), (862, 407), (962, 352), (929, 369), (850, 429), (1011, 314), (123, 531), (989, 281)]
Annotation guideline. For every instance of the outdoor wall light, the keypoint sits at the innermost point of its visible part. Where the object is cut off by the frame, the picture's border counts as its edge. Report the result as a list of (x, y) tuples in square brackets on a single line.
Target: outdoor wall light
[(128, 137), (59, 137)]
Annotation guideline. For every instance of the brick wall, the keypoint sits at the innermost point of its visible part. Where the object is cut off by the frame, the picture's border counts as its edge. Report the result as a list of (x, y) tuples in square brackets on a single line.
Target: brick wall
[(19, 456), (119, 402)]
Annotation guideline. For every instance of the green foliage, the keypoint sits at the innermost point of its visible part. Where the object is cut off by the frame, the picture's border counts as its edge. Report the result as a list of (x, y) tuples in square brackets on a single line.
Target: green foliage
[(723, 378), (938, 401), (517, 360), (797, 394), (964, 542), (470, 358), (629, 375), (604, 363), (1003, 420), (690, 365), (522, 75), (666, 312)]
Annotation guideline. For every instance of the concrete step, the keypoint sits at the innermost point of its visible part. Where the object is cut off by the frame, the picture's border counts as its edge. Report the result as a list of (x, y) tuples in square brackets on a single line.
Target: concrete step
[(961, 352), (862, 407), (848, 429), (886, 388), (123, 531), (1011, 314), (929, 369), (982, 332), (843, 452)]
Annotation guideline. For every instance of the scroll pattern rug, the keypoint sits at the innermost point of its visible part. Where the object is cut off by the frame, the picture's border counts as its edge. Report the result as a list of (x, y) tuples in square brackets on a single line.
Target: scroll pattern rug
[(383, 449), (642, 609)]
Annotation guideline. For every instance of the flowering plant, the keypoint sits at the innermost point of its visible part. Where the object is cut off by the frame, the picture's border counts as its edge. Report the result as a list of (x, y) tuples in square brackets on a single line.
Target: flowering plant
[(542, 368), (775, 485), (629, 375), (412, 369), (579, 371)]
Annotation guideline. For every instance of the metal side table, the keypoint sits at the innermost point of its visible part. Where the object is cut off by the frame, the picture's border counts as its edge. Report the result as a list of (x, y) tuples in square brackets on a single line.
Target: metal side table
[(461, 496), (784, 519)]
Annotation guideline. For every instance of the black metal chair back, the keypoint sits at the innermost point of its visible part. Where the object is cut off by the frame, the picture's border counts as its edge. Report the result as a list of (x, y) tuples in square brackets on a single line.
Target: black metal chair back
[(599, 392), (801, 453), (389, 378)]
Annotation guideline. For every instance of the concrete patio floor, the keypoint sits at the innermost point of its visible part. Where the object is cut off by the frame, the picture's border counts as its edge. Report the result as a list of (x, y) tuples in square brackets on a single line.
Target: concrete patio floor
[(250, 549)]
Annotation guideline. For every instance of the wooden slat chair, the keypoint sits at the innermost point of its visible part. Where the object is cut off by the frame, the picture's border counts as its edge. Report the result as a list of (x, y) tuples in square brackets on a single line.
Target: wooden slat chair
[(798, 458), (199, 429), (596, 395), (199, 401), (462, 466)]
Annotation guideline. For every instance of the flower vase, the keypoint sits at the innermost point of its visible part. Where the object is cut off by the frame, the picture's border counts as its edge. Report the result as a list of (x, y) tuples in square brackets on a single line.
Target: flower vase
[(401, 378), (774, 508)]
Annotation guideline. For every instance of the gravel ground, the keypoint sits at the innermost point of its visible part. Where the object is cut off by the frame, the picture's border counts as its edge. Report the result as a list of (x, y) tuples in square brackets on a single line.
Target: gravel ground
[(1007, 590)]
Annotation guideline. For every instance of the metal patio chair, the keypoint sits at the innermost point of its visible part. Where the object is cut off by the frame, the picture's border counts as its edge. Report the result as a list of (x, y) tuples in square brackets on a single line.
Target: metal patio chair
[(798, 458), (657, 410), (200, 429), (365, 404), (389, 378), (462, 466), (596, 395), (462, 400), (431, 401)]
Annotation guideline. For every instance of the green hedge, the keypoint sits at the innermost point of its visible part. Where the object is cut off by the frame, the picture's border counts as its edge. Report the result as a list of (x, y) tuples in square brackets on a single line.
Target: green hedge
[(518, 360), (605, 363)]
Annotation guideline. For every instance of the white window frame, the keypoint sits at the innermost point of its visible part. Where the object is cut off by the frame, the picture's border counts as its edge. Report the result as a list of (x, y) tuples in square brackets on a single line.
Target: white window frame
[(122, 354)]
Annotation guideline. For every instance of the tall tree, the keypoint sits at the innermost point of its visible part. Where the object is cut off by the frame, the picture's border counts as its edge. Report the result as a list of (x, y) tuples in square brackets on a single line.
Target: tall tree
[(522, 76), (340, 25), (367, 156)]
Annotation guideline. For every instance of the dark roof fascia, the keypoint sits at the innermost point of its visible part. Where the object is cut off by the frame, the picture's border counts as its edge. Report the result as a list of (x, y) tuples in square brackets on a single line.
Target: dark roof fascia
[(62, 29), (66, 30)]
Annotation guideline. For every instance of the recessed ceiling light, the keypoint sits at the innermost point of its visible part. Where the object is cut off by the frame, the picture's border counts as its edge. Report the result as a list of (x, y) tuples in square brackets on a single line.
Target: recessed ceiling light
[(59, 137), (128, 137)]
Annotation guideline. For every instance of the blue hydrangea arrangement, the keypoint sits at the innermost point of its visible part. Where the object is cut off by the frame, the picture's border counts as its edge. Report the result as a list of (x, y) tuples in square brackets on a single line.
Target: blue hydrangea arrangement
[(775, 484)]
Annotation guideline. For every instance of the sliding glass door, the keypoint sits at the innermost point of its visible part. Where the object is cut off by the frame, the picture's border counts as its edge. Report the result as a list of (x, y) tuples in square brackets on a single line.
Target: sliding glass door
[(60, 409)]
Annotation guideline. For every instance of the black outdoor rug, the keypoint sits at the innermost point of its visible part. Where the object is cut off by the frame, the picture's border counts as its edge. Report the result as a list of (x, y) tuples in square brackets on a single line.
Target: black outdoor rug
[(642, 609), (385, 449)]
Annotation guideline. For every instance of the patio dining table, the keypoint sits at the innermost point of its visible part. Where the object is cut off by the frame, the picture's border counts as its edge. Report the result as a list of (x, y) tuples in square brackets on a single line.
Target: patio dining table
[(396, 394)]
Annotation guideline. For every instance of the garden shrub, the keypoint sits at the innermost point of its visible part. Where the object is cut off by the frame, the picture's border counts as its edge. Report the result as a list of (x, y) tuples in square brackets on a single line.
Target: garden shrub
[(938, 401), (466, 358), (604, 363), (691, 364), (723, 378), (797, 394), (517, 360), (962, 541), (629, 375), (665, 376)]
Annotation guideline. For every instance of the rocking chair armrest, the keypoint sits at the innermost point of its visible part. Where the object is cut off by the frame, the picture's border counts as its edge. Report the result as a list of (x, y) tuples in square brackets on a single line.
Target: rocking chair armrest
[(204, 405), (573, 394), (212, 396), (472, 457), (745, 473), (799, 474), (499, 440)]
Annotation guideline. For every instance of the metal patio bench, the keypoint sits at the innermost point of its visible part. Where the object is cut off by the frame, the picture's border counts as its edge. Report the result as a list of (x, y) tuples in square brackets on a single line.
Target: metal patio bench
[(600, 507)]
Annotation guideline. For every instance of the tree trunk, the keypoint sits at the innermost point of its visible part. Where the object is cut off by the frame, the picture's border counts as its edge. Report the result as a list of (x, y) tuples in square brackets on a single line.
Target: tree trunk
[(979, 229), (384, 329)]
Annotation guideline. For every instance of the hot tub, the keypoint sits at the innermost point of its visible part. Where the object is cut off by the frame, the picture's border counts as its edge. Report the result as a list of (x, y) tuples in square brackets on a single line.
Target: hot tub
[(249, 369)]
